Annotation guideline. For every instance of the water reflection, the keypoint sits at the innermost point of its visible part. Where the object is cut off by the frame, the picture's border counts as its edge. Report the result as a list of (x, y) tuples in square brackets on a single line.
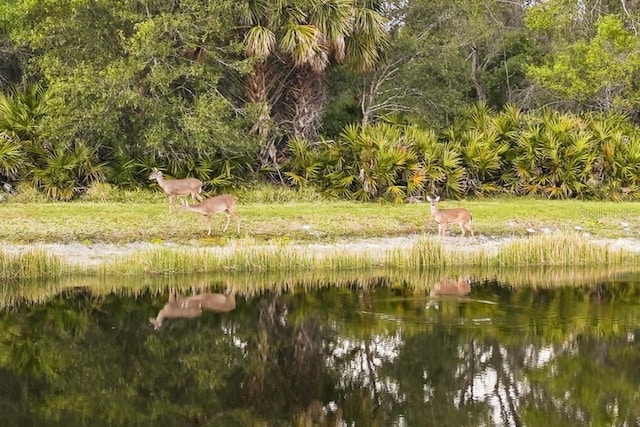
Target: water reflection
[(188, 307), (356, 350)]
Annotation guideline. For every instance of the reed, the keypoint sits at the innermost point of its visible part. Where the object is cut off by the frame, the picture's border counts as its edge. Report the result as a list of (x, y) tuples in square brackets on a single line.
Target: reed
[(414, 283), (551, 250), (32, 264), (558, 249), (426, 253)]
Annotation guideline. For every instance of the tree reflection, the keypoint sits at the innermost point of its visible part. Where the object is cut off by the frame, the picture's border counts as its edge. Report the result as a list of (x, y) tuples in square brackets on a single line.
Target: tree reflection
[(357, 354)]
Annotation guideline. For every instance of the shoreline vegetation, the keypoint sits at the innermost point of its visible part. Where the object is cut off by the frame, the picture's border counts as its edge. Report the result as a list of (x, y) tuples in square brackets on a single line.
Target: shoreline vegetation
[(144, 239)]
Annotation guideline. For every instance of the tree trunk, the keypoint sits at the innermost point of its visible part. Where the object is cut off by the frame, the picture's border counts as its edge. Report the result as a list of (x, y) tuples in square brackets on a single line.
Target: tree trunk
[(480, 93), (304, 103)]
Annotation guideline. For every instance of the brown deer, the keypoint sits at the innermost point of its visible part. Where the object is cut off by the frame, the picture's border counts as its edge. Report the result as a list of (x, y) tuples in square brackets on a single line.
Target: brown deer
[(448, 286), (193, 306), (444, 217), (178, 187), (175, 308), (220, 303), (225, 203)]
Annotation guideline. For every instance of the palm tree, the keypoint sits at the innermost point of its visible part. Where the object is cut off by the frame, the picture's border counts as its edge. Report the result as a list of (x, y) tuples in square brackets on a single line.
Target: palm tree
[(291, 43)]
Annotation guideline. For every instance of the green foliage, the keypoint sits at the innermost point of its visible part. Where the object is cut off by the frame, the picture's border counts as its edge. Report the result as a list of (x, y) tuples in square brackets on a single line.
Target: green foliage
[(135, 86), (292, 45), (598, 69), (546, 154), (363, 163)]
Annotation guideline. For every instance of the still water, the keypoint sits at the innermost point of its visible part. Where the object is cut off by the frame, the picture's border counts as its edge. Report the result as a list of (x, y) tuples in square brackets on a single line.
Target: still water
[(545, 348)]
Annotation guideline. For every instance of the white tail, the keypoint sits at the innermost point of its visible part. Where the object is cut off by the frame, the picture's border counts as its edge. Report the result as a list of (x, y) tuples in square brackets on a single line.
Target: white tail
[(223, 203), (448, 286), (190, 307), (444, 217), (178, 187), (175, 308)]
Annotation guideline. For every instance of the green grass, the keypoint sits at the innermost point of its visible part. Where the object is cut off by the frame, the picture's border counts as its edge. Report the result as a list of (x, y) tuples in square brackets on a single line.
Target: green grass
[(427, 253), (314, 221), (275, 235)]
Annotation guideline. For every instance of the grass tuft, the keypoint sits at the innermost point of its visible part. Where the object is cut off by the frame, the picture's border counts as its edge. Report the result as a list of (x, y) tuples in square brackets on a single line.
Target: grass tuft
[(33, 264), (560, 249)]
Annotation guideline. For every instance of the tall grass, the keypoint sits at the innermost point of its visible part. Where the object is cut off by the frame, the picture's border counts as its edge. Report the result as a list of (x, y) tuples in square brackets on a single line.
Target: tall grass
[(552, 250), (33, 264), (560, 249), (428, 252)]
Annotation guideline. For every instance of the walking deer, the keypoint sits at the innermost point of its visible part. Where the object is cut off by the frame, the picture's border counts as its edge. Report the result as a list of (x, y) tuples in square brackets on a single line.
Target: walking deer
[(444, 217), (178, 187), (225, 203), (193, 306)]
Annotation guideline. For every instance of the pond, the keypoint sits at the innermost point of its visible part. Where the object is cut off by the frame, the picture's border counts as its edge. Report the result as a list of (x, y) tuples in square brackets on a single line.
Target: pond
[(357, 348)]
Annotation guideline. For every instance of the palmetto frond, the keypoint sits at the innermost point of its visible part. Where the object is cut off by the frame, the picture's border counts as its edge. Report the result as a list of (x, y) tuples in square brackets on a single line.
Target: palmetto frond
[(301, 43), (334, 19), (259, 42), (13, 158)]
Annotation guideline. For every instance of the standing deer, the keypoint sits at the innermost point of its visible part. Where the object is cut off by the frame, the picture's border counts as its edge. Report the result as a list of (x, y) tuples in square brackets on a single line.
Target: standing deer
[(178, 187), (444, 217), (448, 286), (223, 203)]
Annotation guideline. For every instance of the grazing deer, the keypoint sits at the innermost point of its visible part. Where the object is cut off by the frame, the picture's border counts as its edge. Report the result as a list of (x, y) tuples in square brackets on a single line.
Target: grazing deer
[(224, 203), (175, 308), (178, 187), (444, 217)]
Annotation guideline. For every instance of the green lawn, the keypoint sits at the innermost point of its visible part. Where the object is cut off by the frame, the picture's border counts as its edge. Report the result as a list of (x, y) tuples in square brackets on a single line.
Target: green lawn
[(91, 222)]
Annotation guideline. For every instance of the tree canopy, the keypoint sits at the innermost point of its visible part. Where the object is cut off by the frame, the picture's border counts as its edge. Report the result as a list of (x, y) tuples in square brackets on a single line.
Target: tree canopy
[(218, 90)]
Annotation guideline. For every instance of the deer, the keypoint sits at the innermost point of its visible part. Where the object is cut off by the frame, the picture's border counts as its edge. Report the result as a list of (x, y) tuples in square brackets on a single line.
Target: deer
[(220, 303), (448, 286), (444, 217), (175, 308), (225, 203), (177, 187), (193, 306)]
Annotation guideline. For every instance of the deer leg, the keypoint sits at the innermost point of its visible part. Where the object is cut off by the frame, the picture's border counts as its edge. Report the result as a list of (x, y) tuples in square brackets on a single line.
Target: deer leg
[(172, 199), (237, 219), (468, 227), (196, 196), (208, 219), (233, 215), (228, 220)]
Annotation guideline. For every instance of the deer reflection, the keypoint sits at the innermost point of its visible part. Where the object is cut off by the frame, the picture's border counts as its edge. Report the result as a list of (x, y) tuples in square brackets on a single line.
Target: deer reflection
[(193, 306), (449, 287)]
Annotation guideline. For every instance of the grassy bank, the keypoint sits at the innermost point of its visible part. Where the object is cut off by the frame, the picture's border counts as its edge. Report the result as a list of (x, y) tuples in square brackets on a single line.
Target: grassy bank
[(423, 254), (275, 236), (325, 221)]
